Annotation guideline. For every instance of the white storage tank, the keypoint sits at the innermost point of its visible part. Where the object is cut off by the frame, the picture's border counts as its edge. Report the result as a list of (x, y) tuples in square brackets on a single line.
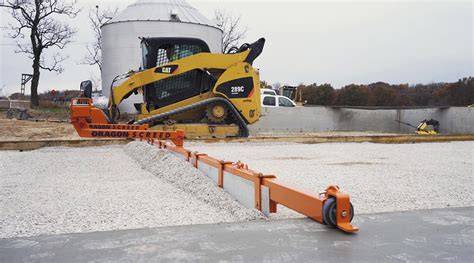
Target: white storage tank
[(121, 37)]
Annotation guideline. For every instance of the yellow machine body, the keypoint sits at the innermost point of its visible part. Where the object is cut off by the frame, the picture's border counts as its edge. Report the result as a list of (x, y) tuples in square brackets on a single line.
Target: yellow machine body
[(231, 77), (249, 107)]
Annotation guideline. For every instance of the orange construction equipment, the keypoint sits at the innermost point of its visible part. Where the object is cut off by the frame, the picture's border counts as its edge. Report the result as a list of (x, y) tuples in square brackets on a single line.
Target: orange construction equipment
[(90, 121), (331, 207), (264, 192)]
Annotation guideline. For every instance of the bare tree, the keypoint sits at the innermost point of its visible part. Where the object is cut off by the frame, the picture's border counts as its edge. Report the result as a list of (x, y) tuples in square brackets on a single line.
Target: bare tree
[(97, 18), (39, 18), (232, 34)]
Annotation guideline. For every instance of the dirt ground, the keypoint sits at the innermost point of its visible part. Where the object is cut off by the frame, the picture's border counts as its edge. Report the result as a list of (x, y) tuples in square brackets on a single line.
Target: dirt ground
[(16, 130)]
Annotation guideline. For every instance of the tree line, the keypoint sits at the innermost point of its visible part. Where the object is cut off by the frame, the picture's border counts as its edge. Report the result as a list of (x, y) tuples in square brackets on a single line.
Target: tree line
[(460, 93)]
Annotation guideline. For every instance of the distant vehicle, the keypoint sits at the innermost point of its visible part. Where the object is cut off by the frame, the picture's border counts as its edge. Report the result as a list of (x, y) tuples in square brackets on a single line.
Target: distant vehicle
[(277, 101), (289, 91), (267, 92)]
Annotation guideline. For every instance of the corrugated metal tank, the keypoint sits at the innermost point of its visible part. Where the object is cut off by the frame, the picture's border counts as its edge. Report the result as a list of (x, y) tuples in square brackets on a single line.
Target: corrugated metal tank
[(121, 51)]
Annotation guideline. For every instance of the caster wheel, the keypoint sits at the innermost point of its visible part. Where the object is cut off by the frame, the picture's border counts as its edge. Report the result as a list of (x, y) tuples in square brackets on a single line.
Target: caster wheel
[(329, 212)]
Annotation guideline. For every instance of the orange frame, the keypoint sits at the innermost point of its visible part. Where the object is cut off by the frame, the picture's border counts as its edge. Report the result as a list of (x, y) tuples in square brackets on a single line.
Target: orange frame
[(91, 122), (299, 200)]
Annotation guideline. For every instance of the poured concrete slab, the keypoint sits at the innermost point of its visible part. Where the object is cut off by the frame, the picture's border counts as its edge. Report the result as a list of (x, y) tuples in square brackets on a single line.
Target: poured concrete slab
[(425, 235)]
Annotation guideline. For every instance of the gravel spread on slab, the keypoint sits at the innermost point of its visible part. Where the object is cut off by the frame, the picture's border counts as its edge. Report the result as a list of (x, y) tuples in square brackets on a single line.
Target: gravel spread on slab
[(378, 177), (184, 176), (73, 190)]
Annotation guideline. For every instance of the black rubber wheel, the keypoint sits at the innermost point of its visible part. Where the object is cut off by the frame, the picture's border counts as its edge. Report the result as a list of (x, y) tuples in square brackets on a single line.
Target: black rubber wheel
[(330, 210)]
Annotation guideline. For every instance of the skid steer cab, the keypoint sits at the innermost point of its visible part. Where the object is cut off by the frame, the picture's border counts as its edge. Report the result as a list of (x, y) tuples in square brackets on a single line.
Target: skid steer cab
[(91, 122)]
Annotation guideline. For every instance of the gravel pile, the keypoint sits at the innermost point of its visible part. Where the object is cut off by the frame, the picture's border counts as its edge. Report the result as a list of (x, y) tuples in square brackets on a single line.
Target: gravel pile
[(379, 177), (74, 190), (184, 176)]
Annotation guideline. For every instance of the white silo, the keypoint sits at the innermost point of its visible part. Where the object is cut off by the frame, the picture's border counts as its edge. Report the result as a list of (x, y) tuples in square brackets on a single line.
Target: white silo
[(121, 50)]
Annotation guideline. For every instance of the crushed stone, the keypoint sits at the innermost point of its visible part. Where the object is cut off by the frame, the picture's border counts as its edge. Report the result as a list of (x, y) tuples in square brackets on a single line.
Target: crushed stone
[(76, 190), (184, 176)]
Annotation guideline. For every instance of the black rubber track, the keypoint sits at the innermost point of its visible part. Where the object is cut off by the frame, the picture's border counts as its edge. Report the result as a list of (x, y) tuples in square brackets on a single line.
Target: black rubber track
[(243, 129)]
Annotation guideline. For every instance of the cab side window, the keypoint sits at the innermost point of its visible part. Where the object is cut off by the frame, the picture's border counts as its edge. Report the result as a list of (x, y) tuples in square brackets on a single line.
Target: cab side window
[(284, 102), (269, 101)]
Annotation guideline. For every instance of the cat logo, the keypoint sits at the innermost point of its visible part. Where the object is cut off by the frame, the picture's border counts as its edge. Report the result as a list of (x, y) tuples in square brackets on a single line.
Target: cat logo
[(167, 69)]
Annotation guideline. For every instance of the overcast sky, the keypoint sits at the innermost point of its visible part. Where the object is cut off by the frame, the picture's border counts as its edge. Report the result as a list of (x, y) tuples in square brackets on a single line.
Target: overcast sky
[(337, 42)]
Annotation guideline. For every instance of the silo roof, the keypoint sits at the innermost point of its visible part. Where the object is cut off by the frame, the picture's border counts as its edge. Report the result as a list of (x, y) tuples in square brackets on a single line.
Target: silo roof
[(161, 10)]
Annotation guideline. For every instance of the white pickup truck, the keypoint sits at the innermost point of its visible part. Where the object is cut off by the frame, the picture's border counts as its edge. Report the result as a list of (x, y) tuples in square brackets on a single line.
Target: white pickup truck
[(276, 101), (267, 92)]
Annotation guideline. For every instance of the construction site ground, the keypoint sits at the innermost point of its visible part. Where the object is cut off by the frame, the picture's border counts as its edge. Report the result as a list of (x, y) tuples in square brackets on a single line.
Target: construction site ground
[(132, 202), (49, 193)]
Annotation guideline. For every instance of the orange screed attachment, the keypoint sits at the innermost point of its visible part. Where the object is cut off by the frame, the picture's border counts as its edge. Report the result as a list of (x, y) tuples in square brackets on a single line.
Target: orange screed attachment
[(332, 207), (91, 122)]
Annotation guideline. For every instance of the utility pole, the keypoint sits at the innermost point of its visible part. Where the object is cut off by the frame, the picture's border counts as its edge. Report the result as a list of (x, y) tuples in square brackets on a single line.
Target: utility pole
[(25, 78)]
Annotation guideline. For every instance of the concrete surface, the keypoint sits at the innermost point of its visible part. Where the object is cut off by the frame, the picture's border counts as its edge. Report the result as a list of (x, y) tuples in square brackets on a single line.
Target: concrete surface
[(445, 235), (456, 120), (378, 177)]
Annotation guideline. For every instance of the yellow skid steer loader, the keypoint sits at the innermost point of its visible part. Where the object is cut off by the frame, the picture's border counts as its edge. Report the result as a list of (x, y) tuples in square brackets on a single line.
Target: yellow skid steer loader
[(204, 94)]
